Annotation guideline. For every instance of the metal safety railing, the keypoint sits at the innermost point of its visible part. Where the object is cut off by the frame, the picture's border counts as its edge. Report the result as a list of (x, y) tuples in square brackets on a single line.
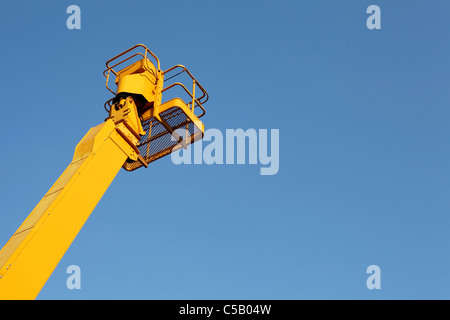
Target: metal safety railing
[(194, 102), (145, 56)]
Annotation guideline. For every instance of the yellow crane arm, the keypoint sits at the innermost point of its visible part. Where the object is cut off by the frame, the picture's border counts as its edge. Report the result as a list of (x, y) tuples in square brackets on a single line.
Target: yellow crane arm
[(30, 256), (139, 130)]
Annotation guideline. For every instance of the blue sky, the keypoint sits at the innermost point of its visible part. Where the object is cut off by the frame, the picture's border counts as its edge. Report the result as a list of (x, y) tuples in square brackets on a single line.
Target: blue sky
[(364, 153)]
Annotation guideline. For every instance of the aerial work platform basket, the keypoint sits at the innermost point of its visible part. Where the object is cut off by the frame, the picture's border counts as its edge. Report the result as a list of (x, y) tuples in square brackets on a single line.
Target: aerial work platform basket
[(166, 125)]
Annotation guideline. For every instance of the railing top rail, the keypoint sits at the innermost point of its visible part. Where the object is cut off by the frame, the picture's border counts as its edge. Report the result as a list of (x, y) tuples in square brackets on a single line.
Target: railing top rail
[(130, 49)]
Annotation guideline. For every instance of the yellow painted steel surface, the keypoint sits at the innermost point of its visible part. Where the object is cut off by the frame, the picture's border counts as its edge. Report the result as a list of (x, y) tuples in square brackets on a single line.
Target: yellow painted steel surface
[(32, 253)]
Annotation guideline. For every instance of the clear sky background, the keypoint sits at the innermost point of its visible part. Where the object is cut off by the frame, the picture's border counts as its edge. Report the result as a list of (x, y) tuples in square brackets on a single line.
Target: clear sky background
[(364, 148)]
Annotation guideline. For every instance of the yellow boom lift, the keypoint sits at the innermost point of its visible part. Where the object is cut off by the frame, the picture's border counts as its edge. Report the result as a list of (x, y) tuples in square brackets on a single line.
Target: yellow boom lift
[(139, 129)]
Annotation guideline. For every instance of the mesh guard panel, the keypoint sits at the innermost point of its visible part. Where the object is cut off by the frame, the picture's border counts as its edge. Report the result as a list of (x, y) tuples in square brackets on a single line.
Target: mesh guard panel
[(158, 142)]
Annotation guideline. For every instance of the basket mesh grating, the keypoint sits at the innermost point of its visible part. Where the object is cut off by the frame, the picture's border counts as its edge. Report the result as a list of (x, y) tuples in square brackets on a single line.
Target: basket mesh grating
[(158, 142)]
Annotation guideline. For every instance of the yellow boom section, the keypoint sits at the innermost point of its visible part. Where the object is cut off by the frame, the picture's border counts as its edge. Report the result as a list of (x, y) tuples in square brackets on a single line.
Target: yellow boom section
[(32, 253)]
